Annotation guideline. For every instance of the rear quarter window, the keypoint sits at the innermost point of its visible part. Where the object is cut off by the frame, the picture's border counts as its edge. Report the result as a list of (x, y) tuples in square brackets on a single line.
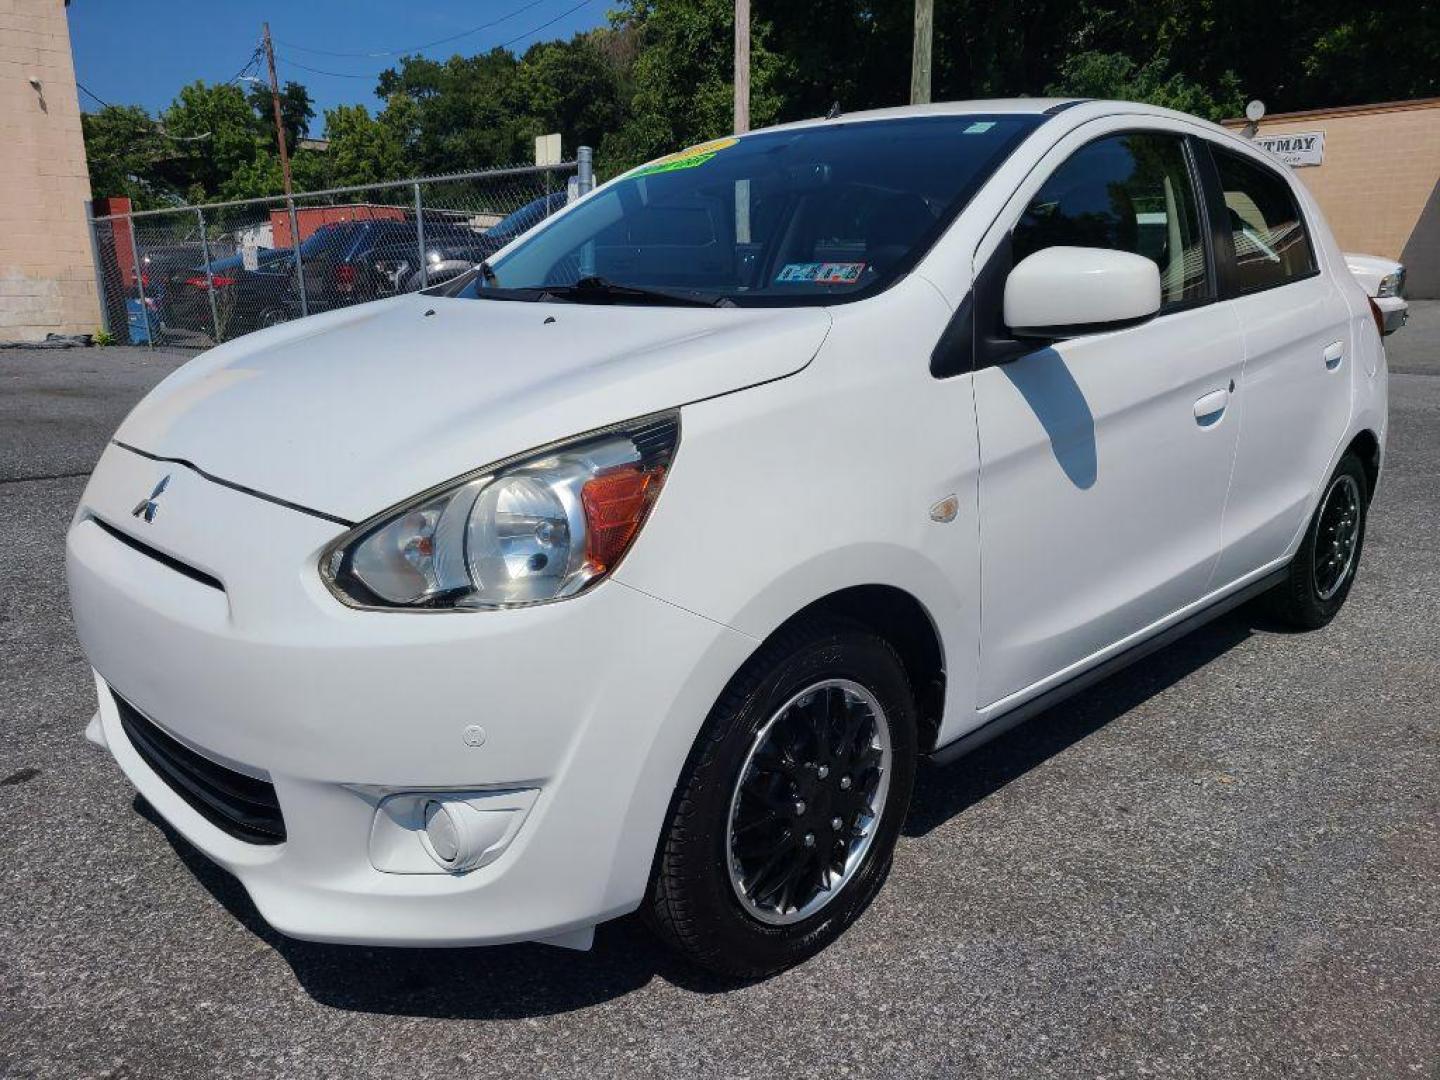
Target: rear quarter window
[(1272, 245)]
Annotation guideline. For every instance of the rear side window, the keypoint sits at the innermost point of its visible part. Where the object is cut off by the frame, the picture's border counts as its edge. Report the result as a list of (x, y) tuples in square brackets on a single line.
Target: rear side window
[(1132, 193), (1271, 244)]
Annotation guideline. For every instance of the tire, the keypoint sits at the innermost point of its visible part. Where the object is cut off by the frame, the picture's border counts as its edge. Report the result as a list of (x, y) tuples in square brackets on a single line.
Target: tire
[(1323, 570), (820, 674)]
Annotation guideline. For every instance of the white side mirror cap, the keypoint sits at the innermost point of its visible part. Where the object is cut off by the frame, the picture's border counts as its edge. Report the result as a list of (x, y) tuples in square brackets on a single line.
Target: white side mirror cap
[(1067, 291)]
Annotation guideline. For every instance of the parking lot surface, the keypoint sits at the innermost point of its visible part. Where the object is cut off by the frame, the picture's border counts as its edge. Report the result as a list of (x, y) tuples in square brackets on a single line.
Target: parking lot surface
[(1224, 862)]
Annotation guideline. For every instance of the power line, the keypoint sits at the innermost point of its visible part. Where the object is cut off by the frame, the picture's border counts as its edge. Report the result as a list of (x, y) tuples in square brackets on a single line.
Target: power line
[(318, 71), (253, 62), (416, 48), (159, 128), (254, 59), (103, 103), (504, 44)]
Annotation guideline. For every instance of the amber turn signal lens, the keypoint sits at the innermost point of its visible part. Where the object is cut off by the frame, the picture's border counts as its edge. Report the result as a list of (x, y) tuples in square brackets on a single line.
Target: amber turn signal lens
[(615, 507)]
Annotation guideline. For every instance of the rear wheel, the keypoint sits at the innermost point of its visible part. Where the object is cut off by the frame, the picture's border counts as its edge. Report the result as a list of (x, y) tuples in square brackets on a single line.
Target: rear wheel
[(1324, 568), (786, 817)]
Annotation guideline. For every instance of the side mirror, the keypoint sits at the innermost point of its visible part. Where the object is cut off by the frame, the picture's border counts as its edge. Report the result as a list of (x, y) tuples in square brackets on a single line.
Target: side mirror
[(1062, 292)]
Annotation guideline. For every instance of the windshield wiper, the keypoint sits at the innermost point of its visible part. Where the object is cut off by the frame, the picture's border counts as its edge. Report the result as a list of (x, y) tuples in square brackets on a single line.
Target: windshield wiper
[(593, 288)]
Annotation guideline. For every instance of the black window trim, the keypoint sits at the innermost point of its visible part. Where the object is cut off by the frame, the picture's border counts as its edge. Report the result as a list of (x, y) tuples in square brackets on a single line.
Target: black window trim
[(1224, 241), (963, 348)]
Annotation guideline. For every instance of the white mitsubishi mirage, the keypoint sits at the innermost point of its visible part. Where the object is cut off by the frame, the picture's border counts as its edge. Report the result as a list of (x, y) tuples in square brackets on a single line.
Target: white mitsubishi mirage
[(637, 568)]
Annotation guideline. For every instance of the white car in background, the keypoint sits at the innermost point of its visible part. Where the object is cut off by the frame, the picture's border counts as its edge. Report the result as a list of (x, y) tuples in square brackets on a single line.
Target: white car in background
[(1384, 282), (639, 567)]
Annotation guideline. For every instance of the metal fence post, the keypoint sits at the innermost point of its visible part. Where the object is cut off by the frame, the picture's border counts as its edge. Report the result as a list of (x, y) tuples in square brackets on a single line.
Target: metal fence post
[(299, 263), (139, 284), (99, 268), (584, 182), (420, 238), (585, 170), (209, 274)]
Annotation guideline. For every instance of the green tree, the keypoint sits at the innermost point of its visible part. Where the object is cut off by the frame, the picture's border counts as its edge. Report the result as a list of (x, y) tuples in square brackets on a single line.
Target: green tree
[(571, 87), (660, 77), (363, 150), (252, 179), (461, 111), (122, 146), (296, 111), (215, 137), (1114, 75), (683, 77)]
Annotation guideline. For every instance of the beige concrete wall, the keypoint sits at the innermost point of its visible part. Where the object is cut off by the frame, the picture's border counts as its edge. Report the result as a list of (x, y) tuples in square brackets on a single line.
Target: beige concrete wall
[(47, 271), (1379, 185)]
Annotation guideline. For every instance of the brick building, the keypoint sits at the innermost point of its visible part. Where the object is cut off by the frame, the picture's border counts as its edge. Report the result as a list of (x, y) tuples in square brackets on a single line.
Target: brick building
[(1375, 170), (47, 268)]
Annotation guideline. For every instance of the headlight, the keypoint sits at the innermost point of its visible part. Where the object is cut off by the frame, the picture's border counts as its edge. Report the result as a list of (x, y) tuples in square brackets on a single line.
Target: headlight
[(543, 526), (1392, 284)]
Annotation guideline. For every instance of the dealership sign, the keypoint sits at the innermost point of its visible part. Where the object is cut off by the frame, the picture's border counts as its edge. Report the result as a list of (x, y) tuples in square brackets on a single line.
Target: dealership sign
[(1296, 149)]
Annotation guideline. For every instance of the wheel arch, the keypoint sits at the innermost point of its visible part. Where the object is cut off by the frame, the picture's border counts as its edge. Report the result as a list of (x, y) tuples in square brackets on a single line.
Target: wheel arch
[(1366, 446), (906, 624)]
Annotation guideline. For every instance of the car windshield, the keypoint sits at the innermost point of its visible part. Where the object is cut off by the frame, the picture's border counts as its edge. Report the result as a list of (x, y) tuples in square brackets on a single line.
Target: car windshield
[(528, 215), (807, 216)]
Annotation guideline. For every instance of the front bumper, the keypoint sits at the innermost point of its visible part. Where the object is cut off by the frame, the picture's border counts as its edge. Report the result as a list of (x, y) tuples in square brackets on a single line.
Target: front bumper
[(1394, 311), (593, 702)]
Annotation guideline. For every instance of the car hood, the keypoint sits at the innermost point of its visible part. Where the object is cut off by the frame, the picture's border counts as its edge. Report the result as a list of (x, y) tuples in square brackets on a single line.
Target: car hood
[(352, 411), (1370, 269)]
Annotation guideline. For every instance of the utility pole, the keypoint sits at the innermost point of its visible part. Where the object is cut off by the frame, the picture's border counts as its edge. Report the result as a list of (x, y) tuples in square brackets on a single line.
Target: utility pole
[(920, 60), (275, 101), (742, 66)]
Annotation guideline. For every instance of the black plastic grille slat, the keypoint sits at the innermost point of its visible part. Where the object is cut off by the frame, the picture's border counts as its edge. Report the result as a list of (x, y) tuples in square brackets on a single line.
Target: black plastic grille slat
[(240, 805), (159, 556)]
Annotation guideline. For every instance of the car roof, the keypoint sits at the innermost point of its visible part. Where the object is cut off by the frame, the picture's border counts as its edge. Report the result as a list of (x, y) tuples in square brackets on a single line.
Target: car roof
[(1025, 106)]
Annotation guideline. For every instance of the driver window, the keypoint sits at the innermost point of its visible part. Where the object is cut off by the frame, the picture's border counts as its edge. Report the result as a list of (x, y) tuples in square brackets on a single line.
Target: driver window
[(1128, 193)]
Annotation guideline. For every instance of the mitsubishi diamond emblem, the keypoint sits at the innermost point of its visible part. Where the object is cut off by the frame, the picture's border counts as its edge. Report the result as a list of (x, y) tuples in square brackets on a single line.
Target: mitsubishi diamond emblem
[(147, 508)]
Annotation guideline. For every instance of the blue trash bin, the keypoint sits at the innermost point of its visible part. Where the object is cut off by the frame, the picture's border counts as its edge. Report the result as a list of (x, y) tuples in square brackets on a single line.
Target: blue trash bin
[(143, 321)]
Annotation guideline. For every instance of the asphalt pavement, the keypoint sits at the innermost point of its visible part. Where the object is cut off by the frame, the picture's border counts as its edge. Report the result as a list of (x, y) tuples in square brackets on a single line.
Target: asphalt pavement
[(1224, 862)]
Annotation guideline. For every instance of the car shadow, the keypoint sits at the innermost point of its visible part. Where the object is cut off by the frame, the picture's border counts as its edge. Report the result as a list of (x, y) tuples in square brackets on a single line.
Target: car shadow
[(1045, 382), (943, 791), (524, 981), (502, 982)]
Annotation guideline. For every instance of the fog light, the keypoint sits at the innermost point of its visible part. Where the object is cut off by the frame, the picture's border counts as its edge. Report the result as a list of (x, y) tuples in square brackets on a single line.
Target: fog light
[(440, 830), (461, 836), (433, 832)]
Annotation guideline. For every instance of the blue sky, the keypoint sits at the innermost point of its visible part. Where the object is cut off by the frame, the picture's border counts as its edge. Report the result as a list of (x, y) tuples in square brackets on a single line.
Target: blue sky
[(140, 52)]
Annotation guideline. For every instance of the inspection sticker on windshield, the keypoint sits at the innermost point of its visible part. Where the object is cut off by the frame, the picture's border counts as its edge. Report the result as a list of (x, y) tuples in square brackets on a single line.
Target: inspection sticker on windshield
[(686, 159), (979, 127), (820, 273)]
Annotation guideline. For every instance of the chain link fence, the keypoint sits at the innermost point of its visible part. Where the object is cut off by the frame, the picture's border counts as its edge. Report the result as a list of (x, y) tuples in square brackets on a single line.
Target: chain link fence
[(200, 275)]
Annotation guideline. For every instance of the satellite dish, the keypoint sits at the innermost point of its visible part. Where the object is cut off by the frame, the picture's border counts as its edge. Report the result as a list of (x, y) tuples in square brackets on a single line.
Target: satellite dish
[(1254, 111)]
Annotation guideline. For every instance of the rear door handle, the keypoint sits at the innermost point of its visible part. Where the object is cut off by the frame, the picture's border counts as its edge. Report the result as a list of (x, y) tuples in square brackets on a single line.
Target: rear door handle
[(1209, 407), (1334, 353)]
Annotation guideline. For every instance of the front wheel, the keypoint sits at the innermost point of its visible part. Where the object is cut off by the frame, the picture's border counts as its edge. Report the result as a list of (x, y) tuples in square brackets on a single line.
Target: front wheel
[(786, 817), (1324, 568)]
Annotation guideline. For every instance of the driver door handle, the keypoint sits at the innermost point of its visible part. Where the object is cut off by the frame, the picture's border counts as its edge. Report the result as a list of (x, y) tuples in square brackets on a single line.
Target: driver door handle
[(1209, 407), (1334, 353)]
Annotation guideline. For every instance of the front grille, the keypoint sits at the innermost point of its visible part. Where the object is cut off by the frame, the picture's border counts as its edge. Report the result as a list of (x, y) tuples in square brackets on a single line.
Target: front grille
[(240, 805)]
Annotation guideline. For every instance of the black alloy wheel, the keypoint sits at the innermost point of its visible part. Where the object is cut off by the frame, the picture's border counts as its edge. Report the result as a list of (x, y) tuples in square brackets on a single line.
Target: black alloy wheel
[(1323, 570), (803, 813), (785, 818)]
